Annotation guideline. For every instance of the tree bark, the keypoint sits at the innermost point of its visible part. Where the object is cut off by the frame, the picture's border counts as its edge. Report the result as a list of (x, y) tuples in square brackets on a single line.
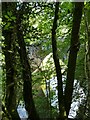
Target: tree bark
[(74, 47), (57, 65), (87, 19), (27, 78), (9, 42)]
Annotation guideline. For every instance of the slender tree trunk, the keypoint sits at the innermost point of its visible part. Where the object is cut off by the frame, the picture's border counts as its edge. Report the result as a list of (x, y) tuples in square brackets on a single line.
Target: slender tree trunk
[(57, 65), (27, 78), (73, 54), (87, 13), (10, 65)]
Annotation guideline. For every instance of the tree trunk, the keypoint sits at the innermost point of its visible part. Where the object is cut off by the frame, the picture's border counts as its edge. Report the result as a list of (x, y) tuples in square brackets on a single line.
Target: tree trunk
[(27, 78), (10, 64), (74, 47), (87, 13), (57, 65)]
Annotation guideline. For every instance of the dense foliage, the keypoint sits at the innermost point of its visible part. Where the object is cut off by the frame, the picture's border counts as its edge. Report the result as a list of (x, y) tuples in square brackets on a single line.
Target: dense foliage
[(41, 41)]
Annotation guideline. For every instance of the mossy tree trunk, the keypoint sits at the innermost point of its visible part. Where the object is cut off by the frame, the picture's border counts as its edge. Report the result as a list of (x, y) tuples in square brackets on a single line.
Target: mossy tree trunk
[(9, 51), (87, 19)]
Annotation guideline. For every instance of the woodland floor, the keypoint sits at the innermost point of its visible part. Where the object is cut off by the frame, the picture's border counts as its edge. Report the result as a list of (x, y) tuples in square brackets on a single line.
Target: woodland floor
[(42, 106)]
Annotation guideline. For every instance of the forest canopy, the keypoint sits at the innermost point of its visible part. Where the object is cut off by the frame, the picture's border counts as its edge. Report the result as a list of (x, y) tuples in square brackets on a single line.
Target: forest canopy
[(45, 60)]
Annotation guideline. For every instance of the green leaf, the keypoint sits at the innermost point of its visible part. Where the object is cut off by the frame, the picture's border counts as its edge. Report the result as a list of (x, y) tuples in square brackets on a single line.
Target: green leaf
[(6, 16), (7, 26), (13, 18)]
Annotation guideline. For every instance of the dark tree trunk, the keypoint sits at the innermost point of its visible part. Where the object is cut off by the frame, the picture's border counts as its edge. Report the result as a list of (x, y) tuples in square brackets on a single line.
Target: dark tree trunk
[(65, 101), (73, 55), (57, 66), (27, 78), (10, 64)]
